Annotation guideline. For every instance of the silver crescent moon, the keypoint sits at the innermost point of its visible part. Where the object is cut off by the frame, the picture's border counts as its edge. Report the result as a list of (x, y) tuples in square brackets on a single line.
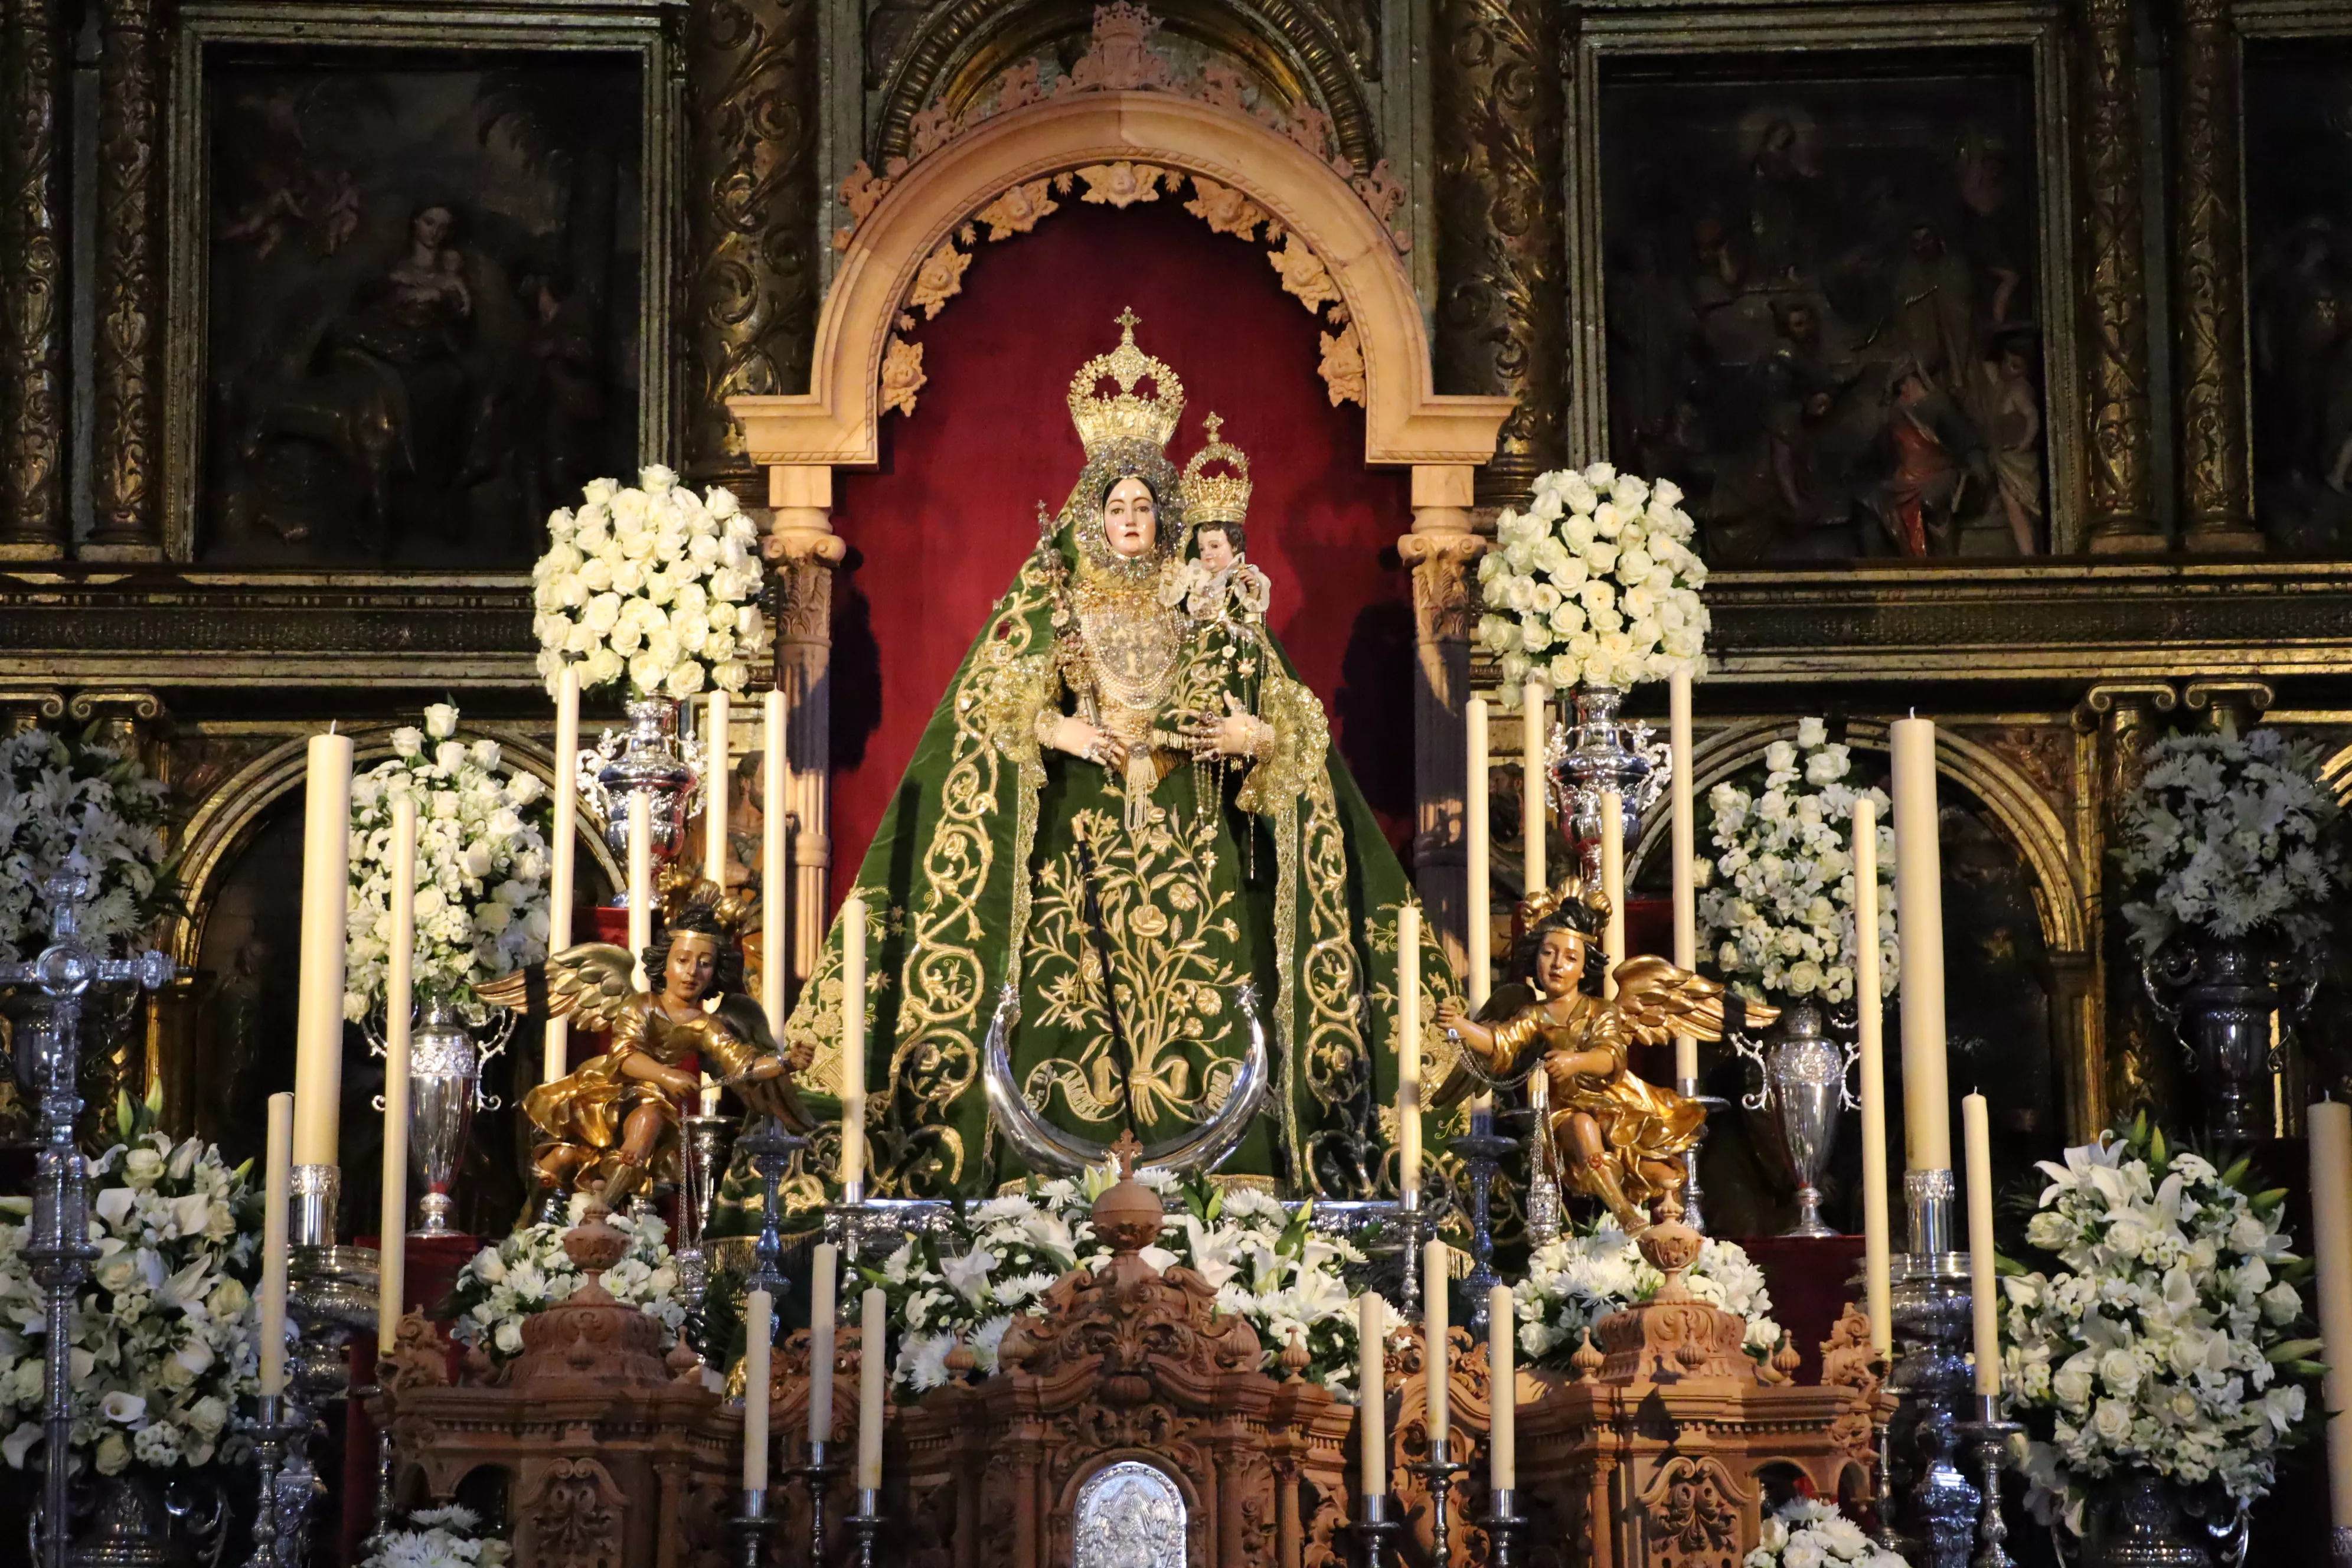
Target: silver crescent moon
[(1044, 1145)]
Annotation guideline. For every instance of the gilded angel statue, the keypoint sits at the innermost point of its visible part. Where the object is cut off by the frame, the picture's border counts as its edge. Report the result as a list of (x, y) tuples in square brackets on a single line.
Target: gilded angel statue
[(616, 1118), (1617, 1136)]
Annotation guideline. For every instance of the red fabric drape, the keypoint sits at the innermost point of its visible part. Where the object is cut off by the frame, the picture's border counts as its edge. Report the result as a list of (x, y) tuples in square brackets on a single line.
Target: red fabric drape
[(940, 529)]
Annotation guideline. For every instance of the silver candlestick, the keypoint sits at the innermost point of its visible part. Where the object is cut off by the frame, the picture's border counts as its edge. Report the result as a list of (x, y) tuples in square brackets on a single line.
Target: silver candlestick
[(753, 1529), (1374, 1530), (61, 1252), (1438, 1475), (1502, 1522), (277, 1530), (330, 1290), (1989, 1438), (866, 1523), (1937, 1506), (819, 1472), (703, 1161)]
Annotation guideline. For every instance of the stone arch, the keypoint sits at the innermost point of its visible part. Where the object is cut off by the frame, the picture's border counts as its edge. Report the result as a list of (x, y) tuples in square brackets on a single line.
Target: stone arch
[(835, 422), (956, 52), (225, 825), (2027, 819)]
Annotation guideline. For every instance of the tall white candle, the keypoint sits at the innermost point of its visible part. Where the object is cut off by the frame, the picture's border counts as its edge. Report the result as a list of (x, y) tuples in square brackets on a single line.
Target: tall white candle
[(1613, 887), (824, 1275), (557, 1051), (1436, 1351), (873, 1330), (1685, 852), (775, 876), (1478, 844), (277, 1195), (1503, 1391), (1409, 1053), (1984, 1289), (2329, 1126), (399, 1008), (1870, 1011), (715, 785), (759, 1336), (1533, 696), (641, 883), (319, 1007), (1919, 922), (853, 1041), (1371, 1395)]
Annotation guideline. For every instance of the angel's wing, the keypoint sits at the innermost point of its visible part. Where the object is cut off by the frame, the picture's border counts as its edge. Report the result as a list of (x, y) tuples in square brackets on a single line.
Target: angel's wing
[(1658, 1002), (589, 983)]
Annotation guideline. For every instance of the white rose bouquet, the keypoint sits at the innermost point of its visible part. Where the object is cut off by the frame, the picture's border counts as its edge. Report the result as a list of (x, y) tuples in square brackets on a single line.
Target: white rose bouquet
[(1776, 904), (1806, 1532), (529, 1271), (1263, 1261), (1596, 582), (482, 866), (164, 1340), (654, 583), (2230, 836), (1587, 1275), (2165, 1336), (448, 1537), (69, 803)]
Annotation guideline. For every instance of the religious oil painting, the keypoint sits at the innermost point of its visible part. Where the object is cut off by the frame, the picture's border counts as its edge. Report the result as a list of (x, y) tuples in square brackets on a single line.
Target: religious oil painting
[(2298, 109), (421, 303), (1824, 306)]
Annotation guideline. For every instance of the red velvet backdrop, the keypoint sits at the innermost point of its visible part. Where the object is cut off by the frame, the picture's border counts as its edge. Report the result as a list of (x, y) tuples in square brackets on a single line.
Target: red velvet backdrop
[(940, 527)]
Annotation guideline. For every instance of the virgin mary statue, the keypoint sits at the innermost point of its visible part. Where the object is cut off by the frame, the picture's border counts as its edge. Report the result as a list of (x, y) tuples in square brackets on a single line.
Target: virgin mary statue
[(1124, 848)]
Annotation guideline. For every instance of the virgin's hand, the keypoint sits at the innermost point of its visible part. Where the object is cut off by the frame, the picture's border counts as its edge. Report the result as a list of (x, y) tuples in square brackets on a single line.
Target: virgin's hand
[(1082, 741)]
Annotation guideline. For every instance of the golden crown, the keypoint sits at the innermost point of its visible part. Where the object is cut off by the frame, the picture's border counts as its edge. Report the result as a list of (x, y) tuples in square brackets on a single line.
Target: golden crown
[(1130, 417), (1216, 498), (1573, 896), (690, 902)]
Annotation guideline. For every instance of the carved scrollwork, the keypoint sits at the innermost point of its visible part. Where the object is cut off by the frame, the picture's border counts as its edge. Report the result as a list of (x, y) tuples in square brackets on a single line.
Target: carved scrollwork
[(1691, 1511), (2115, 294), (36, 288), (571, 1513), (2211, 285), (129, 282)]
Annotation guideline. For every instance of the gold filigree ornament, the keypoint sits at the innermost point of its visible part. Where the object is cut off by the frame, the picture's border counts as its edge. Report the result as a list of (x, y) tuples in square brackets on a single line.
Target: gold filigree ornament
[(1128, 416), (1216, 497)]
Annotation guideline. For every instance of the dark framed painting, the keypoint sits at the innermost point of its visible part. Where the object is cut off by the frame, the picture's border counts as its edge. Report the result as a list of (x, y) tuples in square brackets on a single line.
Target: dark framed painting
[(1824, 291), (2297, 98), (418, 280)]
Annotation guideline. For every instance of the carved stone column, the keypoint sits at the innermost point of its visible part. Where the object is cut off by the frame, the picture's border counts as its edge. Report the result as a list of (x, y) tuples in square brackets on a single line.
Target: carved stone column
[(2120, 512), (2209, 282), (36, 61), (751, 205), (1439, 550), (1502, 288), (2135, 1070), (804, 550), (130, 285)]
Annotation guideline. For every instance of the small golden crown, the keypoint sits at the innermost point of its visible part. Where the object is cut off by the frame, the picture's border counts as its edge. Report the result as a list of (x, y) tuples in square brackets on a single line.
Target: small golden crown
[(1216, 498), (1128, 416), (1585, 907)]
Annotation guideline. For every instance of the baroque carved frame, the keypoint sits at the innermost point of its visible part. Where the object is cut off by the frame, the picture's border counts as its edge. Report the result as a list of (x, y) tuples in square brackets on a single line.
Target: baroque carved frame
[(1696, 29), (644, 29)]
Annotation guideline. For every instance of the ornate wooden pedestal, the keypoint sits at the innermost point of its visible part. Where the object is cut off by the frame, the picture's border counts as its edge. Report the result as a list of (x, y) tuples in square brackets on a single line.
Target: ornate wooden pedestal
[(613, 1458)]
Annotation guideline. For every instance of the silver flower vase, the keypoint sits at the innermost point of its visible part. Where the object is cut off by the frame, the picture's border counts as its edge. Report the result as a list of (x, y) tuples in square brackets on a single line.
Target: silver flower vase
[(2218, 996), (651, 758), (1798, 1103), (444, 1078), (2138, 1519)]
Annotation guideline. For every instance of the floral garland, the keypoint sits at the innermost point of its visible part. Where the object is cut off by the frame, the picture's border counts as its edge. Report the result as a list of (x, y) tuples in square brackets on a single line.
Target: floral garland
[(2230, 836), (164, 1332), (481, 866), (1806, 1532), (1587, 1275), (2164, 1337), (1777, 901), (529, 1271), (448, 1537), (654, 583), (1596, 582), (69, 803), (999, 1257)]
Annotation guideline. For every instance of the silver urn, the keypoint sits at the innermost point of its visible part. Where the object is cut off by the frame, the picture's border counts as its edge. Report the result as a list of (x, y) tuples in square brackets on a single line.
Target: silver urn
[(1799, 1102), (1599, 754), (444, 1075), (651, 758)]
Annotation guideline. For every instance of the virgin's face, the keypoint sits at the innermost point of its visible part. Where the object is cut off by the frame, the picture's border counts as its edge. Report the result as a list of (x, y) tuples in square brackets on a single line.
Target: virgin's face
[(1129, 521), (1560, 961), (693, 962)]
